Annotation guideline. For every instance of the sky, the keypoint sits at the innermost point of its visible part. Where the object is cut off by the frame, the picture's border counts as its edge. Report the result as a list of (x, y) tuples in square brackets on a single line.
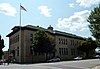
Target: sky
[(64, 15)]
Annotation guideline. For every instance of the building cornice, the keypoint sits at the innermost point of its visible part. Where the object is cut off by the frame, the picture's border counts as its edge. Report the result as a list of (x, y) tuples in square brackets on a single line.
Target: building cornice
[(35, 28)]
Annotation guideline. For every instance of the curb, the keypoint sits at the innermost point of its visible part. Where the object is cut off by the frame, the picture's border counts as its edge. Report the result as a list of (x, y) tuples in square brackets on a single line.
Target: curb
[(96, 67)]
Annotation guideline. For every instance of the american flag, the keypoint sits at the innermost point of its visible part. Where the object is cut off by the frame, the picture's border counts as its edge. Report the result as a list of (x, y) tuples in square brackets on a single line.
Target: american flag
[(22, 8)]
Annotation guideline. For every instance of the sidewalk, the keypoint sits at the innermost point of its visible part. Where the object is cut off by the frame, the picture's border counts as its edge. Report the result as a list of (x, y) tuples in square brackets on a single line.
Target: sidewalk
[(96, 67)]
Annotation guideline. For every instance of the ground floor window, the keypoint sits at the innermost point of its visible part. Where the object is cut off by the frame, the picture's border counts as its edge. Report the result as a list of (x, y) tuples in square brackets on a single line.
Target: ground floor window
[(63, 51), (72, 51)]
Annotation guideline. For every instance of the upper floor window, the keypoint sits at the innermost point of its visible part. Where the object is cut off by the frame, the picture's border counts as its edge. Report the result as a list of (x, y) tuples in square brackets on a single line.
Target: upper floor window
[(72, 42), (62, 41), (66, 41), (31, 38), (77, 43), (59, 41)]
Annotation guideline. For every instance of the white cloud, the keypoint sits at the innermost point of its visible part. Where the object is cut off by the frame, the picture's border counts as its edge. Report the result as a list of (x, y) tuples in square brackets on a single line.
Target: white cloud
[(78, 21), (45, 11), (71, 5), (7, 9), (87, 3)]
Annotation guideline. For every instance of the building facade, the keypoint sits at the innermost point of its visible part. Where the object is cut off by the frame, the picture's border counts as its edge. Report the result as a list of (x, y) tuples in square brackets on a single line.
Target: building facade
[(20, 42)]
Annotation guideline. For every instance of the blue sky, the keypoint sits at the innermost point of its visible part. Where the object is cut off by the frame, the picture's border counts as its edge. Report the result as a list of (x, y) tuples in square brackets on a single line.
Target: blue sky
[(64, 15)]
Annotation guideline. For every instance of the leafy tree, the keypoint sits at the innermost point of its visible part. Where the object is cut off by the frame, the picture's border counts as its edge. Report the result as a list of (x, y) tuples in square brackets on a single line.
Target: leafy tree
[(87, 45), (42, 42), (1, 47), (94, 20)]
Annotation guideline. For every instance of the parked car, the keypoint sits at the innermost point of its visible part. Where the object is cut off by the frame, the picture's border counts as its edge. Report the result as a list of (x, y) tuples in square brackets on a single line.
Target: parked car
[(97, 56), (55, 59), (78, 58)]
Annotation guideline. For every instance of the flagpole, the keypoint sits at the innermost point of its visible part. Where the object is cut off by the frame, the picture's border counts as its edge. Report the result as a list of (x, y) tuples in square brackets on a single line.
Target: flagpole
[(20, 54), (20, 15), (20, 37)]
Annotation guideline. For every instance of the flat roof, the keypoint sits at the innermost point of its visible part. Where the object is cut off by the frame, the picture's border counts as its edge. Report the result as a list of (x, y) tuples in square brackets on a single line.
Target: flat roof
[(35, 28)]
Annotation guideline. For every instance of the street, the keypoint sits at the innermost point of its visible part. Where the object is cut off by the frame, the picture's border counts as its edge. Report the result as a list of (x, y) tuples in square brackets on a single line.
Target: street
[(79, 64)]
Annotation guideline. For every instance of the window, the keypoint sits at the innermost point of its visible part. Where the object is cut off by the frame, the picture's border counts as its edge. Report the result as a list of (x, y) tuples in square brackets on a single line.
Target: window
[(66, 41), (66, 52), (73, 42), (70, 42), (63, 51), (63, 41), (17, 51), (72, 51), (31, 38), (77, 43), (59, 41), (18, 38), (60, 51)]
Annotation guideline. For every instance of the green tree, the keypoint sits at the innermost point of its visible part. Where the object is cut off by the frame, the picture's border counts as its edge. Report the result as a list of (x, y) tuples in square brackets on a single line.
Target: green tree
[(87, 45), (43, 42), (1, 47), (94, 20)]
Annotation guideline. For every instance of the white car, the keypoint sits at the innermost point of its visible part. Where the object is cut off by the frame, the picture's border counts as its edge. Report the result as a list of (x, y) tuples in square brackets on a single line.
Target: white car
[(97, 56), (78, 58), (54, 59)]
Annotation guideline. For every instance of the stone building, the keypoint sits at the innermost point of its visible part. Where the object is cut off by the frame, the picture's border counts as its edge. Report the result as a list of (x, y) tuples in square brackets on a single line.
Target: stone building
[(65, 44)]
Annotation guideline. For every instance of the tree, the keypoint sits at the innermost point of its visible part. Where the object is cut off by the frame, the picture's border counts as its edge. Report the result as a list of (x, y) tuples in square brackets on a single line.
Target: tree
[(87, 45), (94, 20), (1, 47), (42, 42)]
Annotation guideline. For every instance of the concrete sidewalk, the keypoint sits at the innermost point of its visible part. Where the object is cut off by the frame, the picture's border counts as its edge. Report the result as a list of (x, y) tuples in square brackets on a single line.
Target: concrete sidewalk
[(96, 67)]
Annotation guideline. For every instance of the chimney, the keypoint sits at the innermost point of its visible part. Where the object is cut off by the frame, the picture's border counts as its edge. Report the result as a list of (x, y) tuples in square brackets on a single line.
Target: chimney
[(50, 28)]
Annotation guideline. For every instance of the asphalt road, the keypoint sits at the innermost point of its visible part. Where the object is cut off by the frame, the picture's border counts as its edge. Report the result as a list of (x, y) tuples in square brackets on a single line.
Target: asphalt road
[(79, 64)]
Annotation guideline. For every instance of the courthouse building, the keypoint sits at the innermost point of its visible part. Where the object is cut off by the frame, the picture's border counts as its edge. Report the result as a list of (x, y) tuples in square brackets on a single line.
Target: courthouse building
[(65, 44)]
